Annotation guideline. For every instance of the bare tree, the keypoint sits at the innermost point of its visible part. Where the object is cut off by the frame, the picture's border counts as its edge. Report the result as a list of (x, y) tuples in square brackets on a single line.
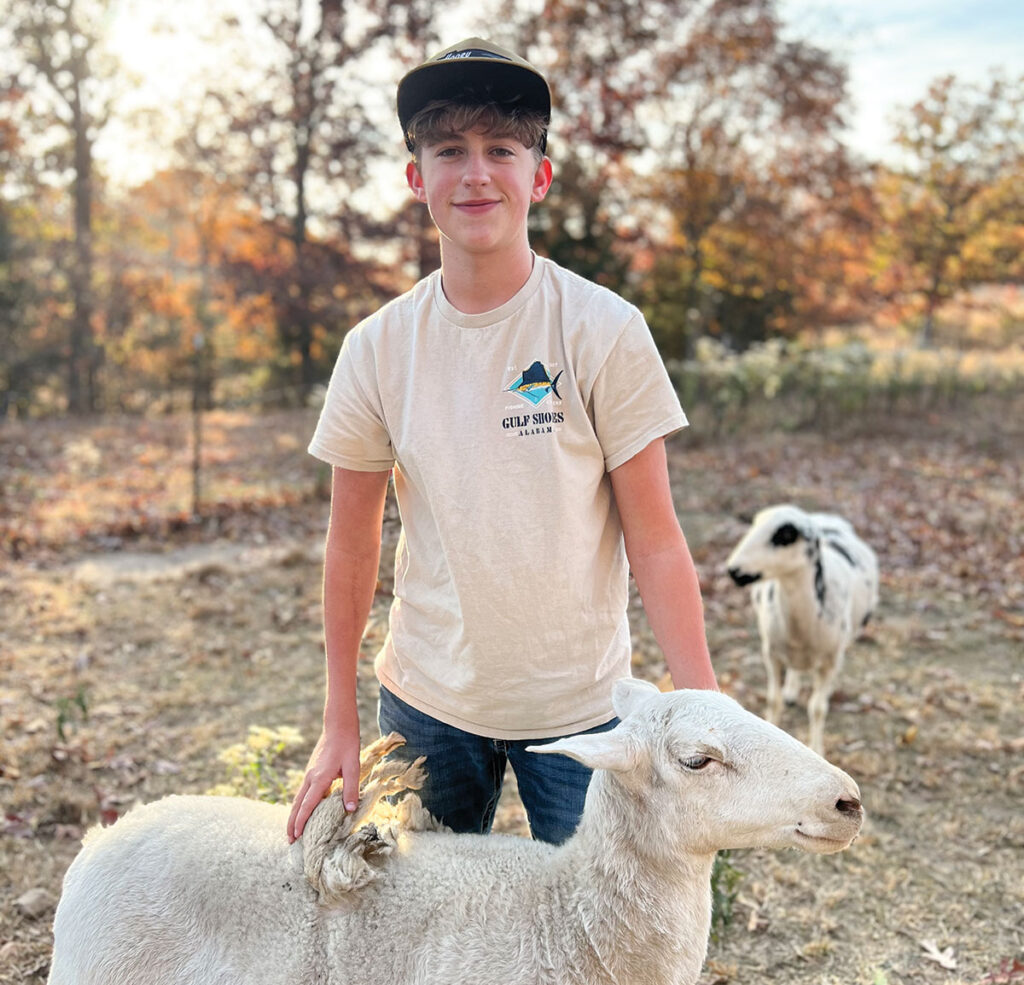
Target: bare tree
[(308, 138)]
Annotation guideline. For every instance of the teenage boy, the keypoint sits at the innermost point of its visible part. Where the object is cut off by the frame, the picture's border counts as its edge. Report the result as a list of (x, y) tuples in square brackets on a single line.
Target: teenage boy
[(522, 411)]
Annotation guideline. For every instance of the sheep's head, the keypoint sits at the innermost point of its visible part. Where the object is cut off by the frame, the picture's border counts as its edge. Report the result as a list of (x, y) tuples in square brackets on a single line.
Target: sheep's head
[(779, 541), (702, 774)]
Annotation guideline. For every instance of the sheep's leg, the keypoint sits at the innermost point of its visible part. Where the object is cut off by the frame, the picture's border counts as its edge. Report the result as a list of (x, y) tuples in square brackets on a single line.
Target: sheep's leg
[(791, 686), (773, 698), (823, 682)]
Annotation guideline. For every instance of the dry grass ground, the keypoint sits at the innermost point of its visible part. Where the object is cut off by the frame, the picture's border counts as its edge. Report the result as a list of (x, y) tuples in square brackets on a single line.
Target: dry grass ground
[(136, 645)]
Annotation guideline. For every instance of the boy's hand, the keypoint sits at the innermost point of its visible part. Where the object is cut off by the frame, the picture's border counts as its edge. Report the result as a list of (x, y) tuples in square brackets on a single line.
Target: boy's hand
[(336, 754)]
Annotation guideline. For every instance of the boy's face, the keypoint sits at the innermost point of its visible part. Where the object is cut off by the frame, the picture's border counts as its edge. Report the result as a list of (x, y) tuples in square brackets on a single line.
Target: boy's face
[(479, 187)]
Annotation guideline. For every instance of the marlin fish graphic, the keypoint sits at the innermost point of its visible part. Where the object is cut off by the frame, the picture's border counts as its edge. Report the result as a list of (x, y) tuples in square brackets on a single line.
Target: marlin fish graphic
[(535, 378)]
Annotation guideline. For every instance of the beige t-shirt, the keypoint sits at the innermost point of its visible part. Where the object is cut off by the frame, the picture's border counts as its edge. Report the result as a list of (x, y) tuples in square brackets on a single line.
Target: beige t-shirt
[(509, 617)]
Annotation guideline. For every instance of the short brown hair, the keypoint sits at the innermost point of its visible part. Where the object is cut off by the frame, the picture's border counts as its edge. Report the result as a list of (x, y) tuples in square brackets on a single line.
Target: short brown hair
[(442, 119)]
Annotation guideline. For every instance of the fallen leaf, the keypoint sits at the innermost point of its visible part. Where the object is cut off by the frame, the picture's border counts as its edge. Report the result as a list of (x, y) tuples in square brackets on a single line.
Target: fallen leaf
[(17, 826), (720, 973), (1007, 973), (35, 903), (753, 920), (1010, 618), (943, 957)]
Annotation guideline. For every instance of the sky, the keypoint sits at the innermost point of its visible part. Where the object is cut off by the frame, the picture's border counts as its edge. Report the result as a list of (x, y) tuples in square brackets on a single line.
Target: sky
[(893, 50)]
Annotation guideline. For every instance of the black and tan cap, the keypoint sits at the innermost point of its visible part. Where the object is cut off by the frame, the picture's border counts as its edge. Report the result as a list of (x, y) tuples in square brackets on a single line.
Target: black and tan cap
[(476, 67)]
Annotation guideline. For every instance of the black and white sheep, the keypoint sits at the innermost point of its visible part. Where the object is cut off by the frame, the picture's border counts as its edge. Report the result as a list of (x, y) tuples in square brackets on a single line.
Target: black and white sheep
[(814, 586), (207, 890)]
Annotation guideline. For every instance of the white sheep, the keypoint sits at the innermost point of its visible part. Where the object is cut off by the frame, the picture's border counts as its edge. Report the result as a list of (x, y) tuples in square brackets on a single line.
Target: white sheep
[(206, 890), (815, 585)]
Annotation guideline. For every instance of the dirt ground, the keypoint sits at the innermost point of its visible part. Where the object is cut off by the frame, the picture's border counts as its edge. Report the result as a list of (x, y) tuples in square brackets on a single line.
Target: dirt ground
[(136, 645)]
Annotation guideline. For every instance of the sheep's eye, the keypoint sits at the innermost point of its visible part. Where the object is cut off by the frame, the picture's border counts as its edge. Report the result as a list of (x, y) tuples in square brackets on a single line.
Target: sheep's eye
[(696, 763), (786, 534)]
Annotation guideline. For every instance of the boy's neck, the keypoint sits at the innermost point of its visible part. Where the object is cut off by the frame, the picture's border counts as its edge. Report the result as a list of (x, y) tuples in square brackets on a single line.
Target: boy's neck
[(474, 284)]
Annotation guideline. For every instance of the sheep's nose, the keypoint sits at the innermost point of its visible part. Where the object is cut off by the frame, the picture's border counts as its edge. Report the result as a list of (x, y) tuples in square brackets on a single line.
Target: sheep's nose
[(741, 577), (848, 805)]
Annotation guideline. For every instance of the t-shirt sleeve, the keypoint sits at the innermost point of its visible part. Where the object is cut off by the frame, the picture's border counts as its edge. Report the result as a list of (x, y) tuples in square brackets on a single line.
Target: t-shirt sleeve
[(633, 399), (351, 432)]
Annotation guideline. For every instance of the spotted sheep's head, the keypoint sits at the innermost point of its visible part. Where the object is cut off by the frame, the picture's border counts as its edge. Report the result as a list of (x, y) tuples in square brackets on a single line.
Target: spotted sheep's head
[(781, 540)]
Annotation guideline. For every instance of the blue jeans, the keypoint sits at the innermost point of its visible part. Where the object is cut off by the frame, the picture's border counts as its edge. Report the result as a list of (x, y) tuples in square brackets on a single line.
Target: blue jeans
[(465, 773)]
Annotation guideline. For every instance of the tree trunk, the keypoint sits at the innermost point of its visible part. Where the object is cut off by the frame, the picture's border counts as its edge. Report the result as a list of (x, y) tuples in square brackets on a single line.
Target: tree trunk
[(932, 299), (696, 312), (83, 362), (302, 303)]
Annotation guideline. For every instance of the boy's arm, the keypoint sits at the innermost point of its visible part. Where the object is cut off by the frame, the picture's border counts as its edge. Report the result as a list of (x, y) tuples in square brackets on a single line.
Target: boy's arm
[(662, 566), (351, 560)]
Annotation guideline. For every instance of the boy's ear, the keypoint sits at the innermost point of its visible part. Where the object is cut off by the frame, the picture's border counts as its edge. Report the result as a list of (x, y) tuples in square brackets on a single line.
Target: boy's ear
[(415, 179), (541, 180)]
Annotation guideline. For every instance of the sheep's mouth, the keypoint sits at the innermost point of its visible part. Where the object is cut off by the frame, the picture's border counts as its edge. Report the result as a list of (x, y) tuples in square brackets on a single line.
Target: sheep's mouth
[(743, 578), (822, 844)]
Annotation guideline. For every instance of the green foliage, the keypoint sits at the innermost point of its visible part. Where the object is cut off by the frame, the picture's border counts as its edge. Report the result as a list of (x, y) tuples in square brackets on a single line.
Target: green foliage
[(725, 879), (255, 768), (71, 711), (28, 356), (576, 227), (682, 304)]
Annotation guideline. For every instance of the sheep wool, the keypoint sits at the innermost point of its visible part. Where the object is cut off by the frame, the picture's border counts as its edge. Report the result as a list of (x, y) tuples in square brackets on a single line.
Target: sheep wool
[(207, 890)]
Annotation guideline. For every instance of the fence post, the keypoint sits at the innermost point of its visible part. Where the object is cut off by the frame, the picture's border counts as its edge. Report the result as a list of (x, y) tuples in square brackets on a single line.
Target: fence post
[(198, 341)]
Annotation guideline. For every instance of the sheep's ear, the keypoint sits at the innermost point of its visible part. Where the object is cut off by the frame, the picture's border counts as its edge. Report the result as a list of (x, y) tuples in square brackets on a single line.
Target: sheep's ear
[(598, 750), (628, 694)]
